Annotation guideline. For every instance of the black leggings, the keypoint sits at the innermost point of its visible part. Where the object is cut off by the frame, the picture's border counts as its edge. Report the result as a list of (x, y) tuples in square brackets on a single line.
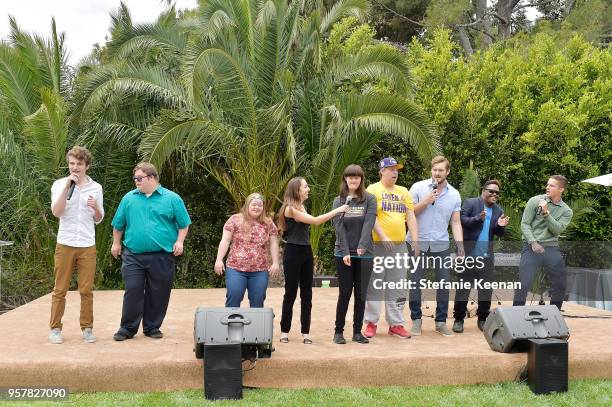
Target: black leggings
[(297, 267), (355, 276)]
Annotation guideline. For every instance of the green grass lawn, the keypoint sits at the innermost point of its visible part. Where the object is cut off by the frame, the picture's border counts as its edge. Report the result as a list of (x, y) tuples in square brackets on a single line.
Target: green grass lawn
[(581, 393)]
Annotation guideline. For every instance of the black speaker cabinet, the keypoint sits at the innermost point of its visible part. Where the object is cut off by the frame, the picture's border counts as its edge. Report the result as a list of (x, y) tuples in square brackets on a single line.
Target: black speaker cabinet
[(223, 371), (547, 365), (508, 329)]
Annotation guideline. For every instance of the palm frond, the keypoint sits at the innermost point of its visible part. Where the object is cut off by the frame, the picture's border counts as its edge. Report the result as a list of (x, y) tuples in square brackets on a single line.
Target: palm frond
[(342, 9), (88, 84), (144, 37), (148, 82), (376, 63), (394, 115), (216, 77), (46, 133), (186, 135), (121, 20), (308, 117), (266, 54), (17, 83)]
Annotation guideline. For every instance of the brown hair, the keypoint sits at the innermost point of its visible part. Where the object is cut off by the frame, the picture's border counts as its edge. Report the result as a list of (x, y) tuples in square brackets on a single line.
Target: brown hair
[(244, 211), (80, 153), (440, 159), (147, 168), (491, 181), (562, 180), (353, 170), (290, 199)]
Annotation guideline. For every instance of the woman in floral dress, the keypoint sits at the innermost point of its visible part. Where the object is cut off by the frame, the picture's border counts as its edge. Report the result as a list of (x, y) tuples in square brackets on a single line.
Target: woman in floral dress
[(252, 240)]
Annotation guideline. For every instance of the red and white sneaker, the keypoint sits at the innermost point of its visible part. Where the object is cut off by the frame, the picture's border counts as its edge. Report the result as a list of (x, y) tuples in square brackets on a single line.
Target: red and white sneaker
[(399, 331), (370, 330)]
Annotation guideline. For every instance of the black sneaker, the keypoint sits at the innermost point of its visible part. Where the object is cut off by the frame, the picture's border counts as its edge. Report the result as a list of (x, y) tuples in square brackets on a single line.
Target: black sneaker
[(339, 338), (120, 336), (155, 335), (481, 323), (359, 338), (458, 326)]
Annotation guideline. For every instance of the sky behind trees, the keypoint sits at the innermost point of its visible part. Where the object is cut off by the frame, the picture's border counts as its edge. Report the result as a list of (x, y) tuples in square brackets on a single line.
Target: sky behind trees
[(85, 22)]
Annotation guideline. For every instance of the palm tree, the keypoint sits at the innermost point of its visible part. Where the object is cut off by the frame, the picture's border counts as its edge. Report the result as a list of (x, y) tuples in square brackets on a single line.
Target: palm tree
[(36, 129), (254, 100), (34, 81)]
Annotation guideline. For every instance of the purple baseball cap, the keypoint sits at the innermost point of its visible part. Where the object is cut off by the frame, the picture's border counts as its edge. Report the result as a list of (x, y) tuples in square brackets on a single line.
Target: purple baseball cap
[(389, 162)]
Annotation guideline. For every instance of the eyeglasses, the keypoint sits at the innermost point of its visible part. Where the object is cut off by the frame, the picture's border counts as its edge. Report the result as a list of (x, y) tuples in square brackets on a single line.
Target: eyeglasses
[(492, 191), (139, 179)]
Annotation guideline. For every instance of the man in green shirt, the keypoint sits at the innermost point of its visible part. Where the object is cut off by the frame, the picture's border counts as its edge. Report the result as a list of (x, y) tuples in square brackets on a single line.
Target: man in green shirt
[(544, 219), (153, 223)]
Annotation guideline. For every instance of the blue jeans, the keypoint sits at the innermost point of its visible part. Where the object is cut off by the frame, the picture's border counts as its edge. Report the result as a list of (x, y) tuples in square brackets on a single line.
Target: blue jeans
[(237, 283), (442, 273)]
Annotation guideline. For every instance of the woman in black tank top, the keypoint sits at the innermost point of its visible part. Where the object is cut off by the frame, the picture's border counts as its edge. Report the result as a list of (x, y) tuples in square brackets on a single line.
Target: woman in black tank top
[(295, 223)]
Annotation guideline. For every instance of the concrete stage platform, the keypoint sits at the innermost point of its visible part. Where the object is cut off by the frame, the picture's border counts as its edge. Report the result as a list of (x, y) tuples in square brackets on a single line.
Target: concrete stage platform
[(144, 364)]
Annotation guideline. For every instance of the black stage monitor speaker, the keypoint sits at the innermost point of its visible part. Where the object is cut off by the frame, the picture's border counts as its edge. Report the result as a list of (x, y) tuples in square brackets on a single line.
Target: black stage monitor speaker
[(508, 329), (547, 365), (250, 327), (223, 371)]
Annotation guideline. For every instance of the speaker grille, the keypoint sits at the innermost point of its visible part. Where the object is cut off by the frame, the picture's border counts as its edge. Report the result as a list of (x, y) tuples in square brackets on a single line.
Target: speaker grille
[(547, 365), (223, 371)]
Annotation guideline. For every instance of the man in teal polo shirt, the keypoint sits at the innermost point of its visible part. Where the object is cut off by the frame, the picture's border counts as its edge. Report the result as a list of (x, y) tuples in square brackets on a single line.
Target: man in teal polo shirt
[(153, 223)]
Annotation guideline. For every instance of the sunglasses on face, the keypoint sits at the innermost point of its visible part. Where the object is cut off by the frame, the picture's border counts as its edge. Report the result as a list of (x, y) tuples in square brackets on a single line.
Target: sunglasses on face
[(492, 191), (139, 179)]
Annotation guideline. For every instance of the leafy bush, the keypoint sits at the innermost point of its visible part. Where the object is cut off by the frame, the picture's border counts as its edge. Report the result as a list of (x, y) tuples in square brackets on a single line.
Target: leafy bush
[(523, 111), (209, 206)]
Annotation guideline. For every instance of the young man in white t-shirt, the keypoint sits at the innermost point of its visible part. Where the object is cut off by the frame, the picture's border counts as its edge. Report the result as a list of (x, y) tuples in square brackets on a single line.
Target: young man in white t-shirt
[(77, 201)]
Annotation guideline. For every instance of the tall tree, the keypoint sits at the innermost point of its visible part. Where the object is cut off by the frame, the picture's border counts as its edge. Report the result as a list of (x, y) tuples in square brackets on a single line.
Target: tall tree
[(34, 81), (399, 20), (256, 100), (476, 24)]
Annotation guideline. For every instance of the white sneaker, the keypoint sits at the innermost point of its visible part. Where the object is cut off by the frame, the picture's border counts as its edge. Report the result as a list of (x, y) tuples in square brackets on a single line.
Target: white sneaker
[(55, 336), (88, 335)]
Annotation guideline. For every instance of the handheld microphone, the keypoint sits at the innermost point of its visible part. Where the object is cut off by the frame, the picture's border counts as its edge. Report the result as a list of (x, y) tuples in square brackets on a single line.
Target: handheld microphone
[(71, 190), (540, 208), (348, 200), (434, 185)]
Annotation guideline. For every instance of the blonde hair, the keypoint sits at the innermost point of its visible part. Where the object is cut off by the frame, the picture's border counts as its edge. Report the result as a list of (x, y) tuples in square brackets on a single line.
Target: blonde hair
[(291, 199), (440, 159), (80, 153), (244, 211)]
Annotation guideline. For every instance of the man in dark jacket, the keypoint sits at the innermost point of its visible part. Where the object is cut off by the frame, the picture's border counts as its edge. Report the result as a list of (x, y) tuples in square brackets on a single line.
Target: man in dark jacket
[(481, 219)]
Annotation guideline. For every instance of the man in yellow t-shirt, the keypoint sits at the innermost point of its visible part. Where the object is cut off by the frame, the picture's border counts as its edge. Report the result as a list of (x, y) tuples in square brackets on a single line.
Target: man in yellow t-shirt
[(394, 212)]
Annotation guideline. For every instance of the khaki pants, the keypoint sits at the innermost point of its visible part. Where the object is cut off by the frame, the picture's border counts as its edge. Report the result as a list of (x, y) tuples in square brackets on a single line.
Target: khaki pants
[(67, 259)]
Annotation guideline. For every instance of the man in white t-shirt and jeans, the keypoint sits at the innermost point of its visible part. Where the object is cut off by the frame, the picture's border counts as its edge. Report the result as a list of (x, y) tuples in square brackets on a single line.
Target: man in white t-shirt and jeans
[(78, 203)]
